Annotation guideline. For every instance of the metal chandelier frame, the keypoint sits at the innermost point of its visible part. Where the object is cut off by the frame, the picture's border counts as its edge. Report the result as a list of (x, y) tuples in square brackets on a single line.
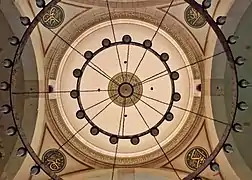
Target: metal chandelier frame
[(214, 25)]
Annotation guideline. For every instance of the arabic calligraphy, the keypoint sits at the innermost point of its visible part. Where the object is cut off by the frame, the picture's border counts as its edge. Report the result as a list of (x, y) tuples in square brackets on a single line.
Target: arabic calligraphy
[(53, 18), (55, 160), (195, 157), (193, 18)]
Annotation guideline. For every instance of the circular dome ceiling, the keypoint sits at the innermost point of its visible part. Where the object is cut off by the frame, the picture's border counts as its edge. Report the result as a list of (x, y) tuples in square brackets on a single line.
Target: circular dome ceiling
[(111, 93), (147, 100)]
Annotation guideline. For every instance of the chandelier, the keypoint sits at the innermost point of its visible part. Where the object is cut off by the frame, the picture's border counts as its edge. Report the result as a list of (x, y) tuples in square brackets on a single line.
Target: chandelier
[(124, 89)]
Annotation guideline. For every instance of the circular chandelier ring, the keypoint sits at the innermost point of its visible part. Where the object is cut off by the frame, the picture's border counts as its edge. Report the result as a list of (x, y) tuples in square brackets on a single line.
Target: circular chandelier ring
[(231, 61), (119, 43), (17, 58)]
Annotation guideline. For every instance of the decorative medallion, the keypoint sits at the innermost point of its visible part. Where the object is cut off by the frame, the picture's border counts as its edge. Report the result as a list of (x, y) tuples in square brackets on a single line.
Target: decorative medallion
[(53, 18), (195, 157), (55, 160), (125, 89), (193, 18)]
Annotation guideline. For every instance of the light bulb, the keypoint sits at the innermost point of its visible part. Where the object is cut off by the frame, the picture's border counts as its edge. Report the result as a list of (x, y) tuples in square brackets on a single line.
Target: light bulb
[(221, 20)]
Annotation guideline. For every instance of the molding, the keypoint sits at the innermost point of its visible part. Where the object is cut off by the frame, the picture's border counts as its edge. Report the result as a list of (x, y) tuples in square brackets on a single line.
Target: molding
[(65, 24), (122, 4), (69, 154), (84, 153), (182, 22)]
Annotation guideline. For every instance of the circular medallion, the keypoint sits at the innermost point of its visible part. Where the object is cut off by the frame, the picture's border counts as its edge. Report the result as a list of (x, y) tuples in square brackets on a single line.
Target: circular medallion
[(195, 157), (55, 160), (193, 18), (53, 18), (125, 89)]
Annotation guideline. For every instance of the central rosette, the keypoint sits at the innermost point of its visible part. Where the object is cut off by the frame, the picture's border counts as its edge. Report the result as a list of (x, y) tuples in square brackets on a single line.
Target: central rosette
[(125, 89)]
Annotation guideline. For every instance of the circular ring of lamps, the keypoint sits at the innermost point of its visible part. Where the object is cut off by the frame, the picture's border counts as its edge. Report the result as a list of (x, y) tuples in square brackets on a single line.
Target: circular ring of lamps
[(89, 55)]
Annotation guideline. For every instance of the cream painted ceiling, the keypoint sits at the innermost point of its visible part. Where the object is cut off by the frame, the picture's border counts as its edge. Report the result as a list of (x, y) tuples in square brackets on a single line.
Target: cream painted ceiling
[(85, 25), (107, 61)]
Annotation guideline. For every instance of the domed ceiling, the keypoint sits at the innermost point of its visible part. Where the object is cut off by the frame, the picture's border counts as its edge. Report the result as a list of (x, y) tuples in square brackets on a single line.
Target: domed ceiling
[(130, 71), (124, 87), (129, 86)]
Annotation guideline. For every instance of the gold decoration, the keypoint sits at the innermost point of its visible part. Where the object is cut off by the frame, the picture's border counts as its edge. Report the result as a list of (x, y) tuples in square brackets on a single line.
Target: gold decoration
[(193, 18), (55, 160), (53, 18), (195, 157), (127, 93)]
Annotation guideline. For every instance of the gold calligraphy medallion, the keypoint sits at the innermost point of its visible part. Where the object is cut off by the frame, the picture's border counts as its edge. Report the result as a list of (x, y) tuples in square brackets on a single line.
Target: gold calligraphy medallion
[(53, 18), (55, 160), (193, 18), (195, 157)]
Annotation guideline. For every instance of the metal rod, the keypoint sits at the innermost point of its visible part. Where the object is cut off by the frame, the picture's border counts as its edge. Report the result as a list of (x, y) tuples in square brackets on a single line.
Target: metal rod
[(104, 74), (156, 140), (186, 110), (127, 65), (149, 105), (99, 102), (161, 22), (153, 77), (113, 31), (200, 60), (60, 92), (84, 125), (121, 117)]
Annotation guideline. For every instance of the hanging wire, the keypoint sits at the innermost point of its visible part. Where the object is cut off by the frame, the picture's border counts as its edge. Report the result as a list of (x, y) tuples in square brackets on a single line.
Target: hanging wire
[(96, 68), (117, 144), (114, 36), (145, 122), (161, 22), (161, 74)]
